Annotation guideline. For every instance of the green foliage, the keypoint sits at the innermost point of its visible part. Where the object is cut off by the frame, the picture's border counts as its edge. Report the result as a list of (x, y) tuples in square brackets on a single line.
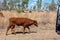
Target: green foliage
[(16, 1), (25, 1), (11, 4), (58, 1), (46, 6), (18, 6), (24, 4), (0, 6), (39, 4), (34, 7), (4, 3), (52, 6)]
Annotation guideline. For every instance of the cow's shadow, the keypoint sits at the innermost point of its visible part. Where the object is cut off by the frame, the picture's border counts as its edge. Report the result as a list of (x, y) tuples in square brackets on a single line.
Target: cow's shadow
[(26, 32)]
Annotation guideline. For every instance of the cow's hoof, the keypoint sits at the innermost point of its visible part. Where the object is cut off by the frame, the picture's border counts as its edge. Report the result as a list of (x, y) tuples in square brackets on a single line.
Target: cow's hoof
[(6, 34), (14, 33)]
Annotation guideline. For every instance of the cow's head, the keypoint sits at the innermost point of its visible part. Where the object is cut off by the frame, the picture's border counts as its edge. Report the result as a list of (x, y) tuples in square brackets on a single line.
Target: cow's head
[(35, 23)]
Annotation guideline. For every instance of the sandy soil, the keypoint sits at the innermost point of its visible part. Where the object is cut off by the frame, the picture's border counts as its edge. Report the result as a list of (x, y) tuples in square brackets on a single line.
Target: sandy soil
[(44, 31)]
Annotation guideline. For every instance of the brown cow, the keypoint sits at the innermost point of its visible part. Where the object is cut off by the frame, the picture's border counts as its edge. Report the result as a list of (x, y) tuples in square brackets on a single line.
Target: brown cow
[(25, 22)]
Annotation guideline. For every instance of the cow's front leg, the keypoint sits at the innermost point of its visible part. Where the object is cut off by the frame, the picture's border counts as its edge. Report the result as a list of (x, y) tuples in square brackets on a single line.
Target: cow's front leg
[(24, 30), (29, 29), (13, 31)]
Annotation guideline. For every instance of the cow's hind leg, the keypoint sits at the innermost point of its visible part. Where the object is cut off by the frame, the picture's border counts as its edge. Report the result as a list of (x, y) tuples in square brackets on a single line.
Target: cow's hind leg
[(8, 29), (24, 30), (12, 29)]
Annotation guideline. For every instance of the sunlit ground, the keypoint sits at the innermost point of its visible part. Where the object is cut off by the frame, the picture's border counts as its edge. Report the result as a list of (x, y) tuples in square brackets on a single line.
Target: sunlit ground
[(44, 31)]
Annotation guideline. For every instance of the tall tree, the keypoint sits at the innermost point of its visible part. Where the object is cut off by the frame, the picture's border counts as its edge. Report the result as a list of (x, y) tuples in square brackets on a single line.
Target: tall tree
[(52, 6), (4, 3), (17, 2), (39, 4), (34, 8), (46, 6), (0, 5), (11, 4), (24, 4), (58, 1)]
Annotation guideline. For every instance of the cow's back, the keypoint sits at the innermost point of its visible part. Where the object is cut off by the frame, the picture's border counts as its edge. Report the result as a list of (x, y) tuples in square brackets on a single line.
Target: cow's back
[(20, 20)]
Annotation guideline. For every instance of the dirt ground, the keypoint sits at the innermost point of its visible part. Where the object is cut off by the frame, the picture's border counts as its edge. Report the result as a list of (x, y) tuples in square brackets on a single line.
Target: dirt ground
[(44, 31)]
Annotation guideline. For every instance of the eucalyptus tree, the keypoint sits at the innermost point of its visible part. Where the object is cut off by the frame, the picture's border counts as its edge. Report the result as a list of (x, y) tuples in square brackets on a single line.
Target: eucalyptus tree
[(34, 8), (24, 4), (46, 6), (1, 6), (52, 6), (17, 4), (58, 1), (39, 4), (11, 4), (4, 4)]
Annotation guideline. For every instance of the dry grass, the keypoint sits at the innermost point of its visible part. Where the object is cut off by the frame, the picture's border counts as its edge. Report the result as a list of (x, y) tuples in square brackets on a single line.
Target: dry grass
[(45, 31)]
